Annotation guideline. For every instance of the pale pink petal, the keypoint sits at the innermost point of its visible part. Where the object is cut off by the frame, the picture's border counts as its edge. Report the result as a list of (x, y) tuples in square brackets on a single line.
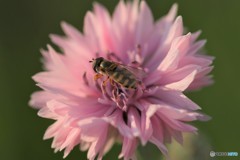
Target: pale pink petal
[(199, 83), (71, 49), (158, 130), (176, 98), (201, 60), (183, 84), (172, 13), (178, 49), (178, 74), (98, 129), (134, 121), (53, 110), (39, 99), (110, 141), (159, 144), (123, 128), (202, 79), (177, 135), (72, 32), (197, 47), (91, 128), (195, 35), (176, 30), (53, 59), (153, 78), (167, 38), (156, 37), (124, 23), (146, 125), (104, 27), (59, 138), (84, 146), (175, 124), (71, 141), (144, 24), (54, 128), (97, 147), (58, 82), (129, 146)]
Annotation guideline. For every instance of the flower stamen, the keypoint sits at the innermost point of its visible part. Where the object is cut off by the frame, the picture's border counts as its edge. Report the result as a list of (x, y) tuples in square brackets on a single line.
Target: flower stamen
[(112, 56), (85, 78)]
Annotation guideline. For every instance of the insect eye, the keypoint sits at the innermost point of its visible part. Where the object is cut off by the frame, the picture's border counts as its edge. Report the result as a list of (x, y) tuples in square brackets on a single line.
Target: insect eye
[(95, 68)]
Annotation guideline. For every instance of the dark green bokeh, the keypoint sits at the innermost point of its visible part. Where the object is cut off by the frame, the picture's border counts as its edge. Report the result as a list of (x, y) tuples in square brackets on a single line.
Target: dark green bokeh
[(24, 29)]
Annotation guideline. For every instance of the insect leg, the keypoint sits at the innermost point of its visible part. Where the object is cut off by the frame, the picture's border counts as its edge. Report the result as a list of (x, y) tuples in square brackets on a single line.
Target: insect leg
[(97, 76), (105, 81), (111, 81)]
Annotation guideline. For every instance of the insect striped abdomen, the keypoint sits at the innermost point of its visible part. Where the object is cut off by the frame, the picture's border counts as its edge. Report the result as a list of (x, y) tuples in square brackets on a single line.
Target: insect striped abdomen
[(124, 78)]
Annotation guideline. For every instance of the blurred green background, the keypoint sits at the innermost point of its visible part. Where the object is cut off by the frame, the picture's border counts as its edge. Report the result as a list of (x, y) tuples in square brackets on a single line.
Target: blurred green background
[(24, 29)]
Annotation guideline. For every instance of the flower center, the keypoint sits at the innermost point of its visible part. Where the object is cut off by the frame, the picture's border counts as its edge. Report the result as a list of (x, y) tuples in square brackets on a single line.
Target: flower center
[(120, 97)]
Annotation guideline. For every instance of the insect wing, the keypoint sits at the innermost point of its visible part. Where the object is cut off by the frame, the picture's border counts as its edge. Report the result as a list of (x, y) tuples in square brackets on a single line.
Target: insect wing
[(137, 72)]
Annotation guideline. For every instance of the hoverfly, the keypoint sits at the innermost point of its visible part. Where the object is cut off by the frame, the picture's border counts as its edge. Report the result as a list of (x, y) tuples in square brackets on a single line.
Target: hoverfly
[(127, 76)]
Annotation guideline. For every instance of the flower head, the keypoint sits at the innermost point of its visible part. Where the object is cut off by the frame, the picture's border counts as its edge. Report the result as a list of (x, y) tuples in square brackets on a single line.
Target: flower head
[(95, 114)]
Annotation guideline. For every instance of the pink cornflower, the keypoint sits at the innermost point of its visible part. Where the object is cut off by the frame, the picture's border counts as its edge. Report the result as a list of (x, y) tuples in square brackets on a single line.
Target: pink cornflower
[(95, 116)]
